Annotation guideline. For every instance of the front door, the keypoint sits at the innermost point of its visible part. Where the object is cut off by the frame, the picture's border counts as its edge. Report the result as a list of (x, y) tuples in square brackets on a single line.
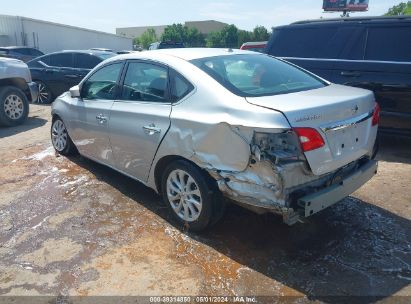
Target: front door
[(90, 123), (140, 118)]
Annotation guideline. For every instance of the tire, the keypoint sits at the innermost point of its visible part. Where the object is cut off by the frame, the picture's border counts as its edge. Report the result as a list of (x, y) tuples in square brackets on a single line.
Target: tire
[(45, 95), (60, 138), (14, 106), (190, 196)]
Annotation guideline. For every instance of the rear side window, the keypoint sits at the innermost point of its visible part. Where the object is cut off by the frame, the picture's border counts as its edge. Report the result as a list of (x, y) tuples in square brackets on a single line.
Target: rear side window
[(316, 42), (145, 82), (22, 51), (102, 84), (86, 61), (389, 44), (180, 87)]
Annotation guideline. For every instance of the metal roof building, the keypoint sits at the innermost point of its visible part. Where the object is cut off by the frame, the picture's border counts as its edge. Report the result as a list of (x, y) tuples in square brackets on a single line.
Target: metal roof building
[(50, 37)]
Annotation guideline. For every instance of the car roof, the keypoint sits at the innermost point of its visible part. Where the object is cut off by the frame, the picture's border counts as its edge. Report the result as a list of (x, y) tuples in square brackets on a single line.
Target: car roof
[(253, 43), (184, 53), (351, 20), (90, 52), (16, 47)]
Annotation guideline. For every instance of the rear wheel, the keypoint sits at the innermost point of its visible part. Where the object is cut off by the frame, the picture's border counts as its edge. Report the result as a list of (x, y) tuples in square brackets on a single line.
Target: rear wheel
[(14, 106), (60, 139), (190, 196), (45, 96)]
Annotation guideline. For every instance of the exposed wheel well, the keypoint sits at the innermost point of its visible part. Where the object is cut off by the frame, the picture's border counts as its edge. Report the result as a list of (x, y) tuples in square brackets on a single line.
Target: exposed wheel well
[(18, 83), (166, 160)]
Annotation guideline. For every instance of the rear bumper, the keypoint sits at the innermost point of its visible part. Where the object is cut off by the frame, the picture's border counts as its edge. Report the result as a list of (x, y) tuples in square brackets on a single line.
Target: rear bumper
[(34, 90), (322, 199)]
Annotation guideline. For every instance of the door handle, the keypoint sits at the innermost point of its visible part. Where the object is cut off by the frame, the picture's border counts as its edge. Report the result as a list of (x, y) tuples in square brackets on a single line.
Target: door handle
[(350, 74), (101, 118), (151, 129)]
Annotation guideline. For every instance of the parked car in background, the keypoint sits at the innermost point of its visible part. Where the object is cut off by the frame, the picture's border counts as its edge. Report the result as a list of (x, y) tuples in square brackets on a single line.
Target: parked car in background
[(125, 52), (270, 136), (16, 91), (102, 49), (56, 73), (368, 52), (254, 46), (20, 52), (166, 45)]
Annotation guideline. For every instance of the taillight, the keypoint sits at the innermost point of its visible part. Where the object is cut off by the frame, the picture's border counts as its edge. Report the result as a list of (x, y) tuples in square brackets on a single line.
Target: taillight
[(309, 138), (376, 115)]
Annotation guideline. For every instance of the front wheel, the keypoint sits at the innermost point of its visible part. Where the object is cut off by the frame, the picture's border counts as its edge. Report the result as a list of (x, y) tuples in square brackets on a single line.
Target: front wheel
[(14, 106), (60, 138), (190, 196)]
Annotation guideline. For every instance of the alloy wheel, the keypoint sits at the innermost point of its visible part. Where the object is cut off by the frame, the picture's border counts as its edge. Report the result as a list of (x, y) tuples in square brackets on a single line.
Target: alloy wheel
[(13, 106), (184, 195), (59, 135), (44, 94)]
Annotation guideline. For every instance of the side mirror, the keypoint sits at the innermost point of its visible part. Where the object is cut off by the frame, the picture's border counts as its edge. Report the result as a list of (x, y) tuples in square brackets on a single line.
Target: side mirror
[(75, 91)]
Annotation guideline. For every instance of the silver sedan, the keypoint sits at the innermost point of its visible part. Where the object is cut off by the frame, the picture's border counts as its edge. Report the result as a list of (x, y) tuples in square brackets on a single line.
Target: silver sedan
[(198, 125)]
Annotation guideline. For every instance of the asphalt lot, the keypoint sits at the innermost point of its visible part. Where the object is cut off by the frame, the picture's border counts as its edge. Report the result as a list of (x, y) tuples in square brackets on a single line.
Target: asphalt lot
[(72, 227)]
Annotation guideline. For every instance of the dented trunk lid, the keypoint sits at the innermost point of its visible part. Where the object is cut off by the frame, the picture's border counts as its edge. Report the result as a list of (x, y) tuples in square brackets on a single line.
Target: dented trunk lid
[(341, 114)]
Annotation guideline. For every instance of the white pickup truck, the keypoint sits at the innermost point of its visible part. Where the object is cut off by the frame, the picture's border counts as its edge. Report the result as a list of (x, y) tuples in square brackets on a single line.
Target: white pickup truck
[(16, 91)]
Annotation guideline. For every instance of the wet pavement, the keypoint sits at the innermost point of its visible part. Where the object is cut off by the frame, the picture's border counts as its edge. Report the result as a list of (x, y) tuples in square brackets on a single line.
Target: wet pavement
[(69, 226)]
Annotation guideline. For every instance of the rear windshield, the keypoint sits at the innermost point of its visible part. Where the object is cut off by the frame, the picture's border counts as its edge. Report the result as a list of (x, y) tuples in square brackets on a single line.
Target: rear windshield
[(257, 75)]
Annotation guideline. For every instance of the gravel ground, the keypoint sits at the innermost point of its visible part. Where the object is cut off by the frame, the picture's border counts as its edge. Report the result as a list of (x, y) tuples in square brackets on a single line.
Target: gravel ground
[(69, 226)]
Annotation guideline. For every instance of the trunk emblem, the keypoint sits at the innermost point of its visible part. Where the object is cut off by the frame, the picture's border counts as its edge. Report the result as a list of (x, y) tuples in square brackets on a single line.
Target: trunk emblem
[(354, 110)]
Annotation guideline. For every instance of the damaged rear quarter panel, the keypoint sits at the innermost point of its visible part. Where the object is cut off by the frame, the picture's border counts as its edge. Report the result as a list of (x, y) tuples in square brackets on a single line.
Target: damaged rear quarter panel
[(214, 129)]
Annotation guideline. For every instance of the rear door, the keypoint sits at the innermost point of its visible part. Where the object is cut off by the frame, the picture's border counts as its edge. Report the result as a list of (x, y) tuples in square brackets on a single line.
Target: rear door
[(381, 61), (140, 117)]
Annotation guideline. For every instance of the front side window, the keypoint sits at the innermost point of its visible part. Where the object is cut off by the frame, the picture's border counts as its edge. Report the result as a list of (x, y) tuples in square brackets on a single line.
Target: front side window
[(145, 82), (257, 75), (103, 83)]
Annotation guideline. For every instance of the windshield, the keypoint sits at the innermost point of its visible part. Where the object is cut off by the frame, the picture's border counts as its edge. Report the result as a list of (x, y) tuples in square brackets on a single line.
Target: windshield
[(257, 75)]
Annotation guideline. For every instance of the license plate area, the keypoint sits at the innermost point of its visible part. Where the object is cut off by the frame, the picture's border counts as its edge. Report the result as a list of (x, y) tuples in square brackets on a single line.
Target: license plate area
[(347, 139)]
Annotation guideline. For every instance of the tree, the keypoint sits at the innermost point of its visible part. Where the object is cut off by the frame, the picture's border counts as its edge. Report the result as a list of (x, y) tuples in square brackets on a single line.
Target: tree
[(260, 33), (229, 36), (400, 9), (214, 40), (189, 36), (148, 37), (244, 36)]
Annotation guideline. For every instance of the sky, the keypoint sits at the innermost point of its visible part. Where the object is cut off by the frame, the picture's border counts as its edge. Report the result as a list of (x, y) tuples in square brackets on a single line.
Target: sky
[(107, 15)]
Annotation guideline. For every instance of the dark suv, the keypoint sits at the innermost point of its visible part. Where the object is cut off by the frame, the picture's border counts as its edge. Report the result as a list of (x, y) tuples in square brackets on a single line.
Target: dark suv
[(57, 72), (20, 52), (372, 53)]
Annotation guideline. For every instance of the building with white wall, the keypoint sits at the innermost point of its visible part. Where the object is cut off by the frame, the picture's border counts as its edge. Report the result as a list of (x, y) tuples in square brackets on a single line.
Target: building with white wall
[(51, 37)]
